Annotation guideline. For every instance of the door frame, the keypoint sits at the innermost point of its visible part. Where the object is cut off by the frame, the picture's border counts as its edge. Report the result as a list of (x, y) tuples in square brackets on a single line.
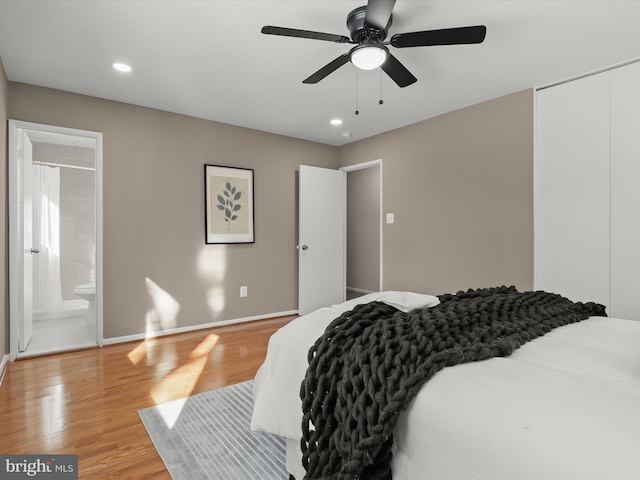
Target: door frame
[(15, 238), (353, 168)]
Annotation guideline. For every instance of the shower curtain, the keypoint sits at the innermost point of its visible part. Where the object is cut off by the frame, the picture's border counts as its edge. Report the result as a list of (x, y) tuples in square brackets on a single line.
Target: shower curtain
[(47, 286)]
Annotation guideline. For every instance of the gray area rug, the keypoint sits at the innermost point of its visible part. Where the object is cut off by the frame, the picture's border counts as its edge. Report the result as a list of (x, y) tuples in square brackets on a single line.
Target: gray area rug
[(207, 436)]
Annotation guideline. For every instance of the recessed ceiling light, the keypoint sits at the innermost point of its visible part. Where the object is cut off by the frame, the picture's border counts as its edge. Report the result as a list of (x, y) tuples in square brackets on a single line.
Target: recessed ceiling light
[(336, 122), (346, 135), (122, 67)]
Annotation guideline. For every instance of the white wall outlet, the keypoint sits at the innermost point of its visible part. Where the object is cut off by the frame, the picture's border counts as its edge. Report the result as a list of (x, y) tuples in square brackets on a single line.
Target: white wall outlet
[(390, 218), (243, 291)]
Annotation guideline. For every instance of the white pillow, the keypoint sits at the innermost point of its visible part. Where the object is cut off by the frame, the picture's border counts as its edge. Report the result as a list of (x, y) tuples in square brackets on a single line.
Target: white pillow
[(403, 301)]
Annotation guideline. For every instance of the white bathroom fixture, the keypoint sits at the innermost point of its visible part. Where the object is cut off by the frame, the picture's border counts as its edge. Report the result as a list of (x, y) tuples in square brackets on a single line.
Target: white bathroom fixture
[(87, 292)]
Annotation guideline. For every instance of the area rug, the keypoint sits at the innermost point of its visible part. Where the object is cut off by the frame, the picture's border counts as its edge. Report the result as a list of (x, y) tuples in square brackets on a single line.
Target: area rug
[(207, 436)]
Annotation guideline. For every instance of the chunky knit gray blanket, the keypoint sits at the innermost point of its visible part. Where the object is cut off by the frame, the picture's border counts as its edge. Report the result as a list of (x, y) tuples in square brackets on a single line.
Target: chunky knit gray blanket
[(370, 362)]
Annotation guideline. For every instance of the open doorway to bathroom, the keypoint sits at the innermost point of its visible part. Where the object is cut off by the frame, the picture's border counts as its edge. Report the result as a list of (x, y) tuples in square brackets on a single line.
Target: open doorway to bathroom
[(55, 248), (364, 228)]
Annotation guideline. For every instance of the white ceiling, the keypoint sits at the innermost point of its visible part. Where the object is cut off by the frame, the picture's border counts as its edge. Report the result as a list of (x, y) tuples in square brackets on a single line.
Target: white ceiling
[(208, 59)]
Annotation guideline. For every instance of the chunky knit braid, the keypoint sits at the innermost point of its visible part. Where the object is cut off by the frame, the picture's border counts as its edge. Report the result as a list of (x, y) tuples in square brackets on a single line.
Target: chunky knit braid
[(370, 363)]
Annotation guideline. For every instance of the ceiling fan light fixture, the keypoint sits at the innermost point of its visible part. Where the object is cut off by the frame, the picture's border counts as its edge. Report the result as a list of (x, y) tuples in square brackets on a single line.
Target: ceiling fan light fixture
[(368, 57)]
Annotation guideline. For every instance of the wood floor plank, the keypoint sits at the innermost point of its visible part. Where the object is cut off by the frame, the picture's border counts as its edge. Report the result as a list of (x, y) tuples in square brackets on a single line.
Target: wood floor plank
[(87, 402)]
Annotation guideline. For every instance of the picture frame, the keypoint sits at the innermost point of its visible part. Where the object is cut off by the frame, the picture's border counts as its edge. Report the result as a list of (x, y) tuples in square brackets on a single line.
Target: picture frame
[(229, 216)]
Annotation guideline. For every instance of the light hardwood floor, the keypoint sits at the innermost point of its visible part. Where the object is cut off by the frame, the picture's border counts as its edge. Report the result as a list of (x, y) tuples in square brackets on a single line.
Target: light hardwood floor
[(87, 402)]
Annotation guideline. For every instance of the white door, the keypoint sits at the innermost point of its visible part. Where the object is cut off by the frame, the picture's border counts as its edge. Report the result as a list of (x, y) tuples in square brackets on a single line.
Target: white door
[(25, 173), (321, 238)]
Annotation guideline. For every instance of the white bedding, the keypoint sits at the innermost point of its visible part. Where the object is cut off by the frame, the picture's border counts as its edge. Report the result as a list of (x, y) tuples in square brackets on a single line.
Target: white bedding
[(564, 406)]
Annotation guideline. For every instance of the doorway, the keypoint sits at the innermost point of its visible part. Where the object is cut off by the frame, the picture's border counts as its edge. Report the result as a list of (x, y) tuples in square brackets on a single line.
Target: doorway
[(364, 229), (55, 239), (323, 253)]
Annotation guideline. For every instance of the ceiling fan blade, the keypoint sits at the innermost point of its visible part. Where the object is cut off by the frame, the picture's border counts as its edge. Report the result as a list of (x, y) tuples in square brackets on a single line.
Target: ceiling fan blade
[(446, 36), (327, 69), (294, 32), (379, 13), (398, 72)]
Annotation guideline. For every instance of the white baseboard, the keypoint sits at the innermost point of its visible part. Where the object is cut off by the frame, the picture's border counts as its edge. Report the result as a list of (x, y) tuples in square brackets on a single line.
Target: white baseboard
[(3, 367), (173, 331)]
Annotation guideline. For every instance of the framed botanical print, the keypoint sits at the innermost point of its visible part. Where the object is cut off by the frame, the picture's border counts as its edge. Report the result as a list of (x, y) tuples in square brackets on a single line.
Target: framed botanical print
[(228, 204)]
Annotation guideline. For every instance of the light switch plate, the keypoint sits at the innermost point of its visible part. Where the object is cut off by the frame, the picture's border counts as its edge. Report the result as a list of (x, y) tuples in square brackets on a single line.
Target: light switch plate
[(390, 218)]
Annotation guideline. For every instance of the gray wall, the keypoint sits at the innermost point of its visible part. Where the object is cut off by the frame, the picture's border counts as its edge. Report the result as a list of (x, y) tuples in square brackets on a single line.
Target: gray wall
[(4, 218), (155, 258), (460, 185), (461, 188)]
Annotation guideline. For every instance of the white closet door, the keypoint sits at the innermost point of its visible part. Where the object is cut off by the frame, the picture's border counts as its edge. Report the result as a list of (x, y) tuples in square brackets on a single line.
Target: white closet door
[(625, 192), (572, 188)]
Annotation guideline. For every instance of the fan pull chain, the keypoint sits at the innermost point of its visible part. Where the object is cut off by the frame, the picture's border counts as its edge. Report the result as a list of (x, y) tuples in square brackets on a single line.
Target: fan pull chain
[(357, 111), (380, 101)]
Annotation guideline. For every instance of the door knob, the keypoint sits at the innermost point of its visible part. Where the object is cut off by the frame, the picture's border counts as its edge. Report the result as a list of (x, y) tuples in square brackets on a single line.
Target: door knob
[(303, 247), (34, 251)]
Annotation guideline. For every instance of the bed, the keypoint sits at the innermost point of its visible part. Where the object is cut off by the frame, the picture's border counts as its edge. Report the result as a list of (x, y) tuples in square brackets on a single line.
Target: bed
[(563, 406)]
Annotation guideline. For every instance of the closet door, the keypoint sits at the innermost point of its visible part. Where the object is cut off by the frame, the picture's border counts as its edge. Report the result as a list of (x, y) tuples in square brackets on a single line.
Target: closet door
[(625, 192), (571, 189)]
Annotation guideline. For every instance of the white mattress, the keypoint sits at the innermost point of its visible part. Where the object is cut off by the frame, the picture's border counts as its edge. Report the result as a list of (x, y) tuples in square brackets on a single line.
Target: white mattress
[(564, 406)]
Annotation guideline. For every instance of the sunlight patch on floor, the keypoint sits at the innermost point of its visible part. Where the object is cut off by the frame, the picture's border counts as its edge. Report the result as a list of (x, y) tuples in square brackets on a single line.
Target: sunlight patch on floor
[(180, 383), (205, 347), (170, 412), (138, 354)]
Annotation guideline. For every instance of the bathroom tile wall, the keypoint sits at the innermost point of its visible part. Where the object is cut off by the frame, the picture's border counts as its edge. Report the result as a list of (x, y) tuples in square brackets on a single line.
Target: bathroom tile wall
[(77, 229)]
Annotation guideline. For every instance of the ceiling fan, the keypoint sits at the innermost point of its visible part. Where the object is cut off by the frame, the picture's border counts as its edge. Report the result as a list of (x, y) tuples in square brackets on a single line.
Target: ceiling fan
[(369, 26)]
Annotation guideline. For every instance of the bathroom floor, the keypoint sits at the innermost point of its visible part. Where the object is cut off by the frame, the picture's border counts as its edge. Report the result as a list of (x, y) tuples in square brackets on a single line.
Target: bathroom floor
[(65, 329)]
